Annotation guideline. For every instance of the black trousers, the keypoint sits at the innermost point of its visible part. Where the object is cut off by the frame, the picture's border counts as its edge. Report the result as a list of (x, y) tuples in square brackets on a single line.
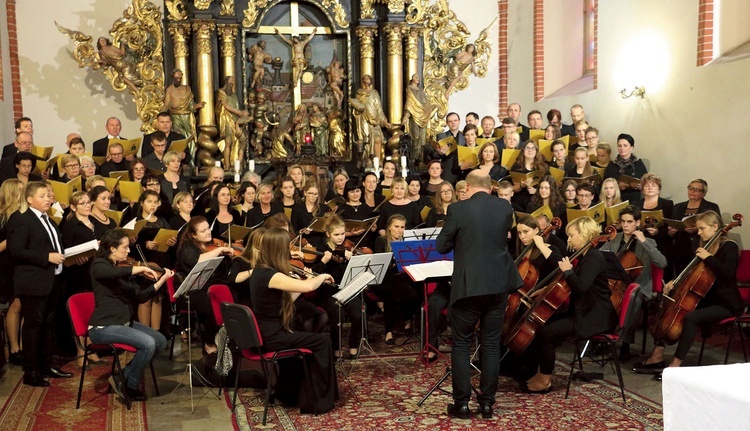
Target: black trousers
[(38, 314)]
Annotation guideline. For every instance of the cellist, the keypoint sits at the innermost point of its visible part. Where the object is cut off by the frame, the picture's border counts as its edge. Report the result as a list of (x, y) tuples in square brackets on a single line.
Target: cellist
[(633, 240), (543, 256), (590, 311), (722, 301)]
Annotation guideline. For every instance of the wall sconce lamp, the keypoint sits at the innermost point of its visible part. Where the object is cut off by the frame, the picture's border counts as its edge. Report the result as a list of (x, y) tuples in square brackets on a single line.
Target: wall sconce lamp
[(638, 91)]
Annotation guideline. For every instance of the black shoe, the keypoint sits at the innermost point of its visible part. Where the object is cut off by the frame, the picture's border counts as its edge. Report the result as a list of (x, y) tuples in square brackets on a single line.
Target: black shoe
[(15, 358), (135, 394), (55, 372), (485, 411), (115, 382), (654, 368), (35, 378), (657, 377), (460, 411)]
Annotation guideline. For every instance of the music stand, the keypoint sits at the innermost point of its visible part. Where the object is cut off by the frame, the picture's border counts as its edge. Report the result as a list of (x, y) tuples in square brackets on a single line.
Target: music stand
[(376, 265), (195, 280), (411, 253), (423, 233)]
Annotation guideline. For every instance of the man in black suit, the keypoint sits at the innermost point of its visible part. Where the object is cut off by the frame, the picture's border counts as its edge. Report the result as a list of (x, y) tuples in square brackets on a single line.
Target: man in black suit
[(23, 124), (35, 244), (483, 274), (116, 161), (449, 161), (114, 126), (23, 143), (164, 125)]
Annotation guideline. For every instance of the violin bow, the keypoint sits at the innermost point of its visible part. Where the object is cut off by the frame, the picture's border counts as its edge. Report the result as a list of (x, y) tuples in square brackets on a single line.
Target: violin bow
[(366, 231), (140, 253)]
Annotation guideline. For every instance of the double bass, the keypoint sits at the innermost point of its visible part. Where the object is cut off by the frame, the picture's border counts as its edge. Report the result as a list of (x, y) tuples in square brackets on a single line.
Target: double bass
[(530, 275), (688, 289), (555, 291)]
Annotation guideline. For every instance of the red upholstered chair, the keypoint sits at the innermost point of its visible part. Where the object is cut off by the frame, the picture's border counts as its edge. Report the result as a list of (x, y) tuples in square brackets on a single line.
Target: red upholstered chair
[(243, 331), (219, 293), (743, 283), (610, 339), (80, 309)]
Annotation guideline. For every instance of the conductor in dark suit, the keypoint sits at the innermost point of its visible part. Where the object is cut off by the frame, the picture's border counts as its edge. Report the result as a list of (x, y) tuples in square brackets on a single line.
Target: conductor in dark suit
[(35, 244), (483, 274)]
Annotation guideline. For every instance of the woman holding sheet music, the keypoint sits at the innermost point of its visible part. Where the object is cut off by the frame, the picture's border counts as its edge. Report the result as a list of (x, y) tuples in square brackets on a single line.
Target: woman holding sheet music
[(100, 203), (183, 205), (651, 188), (440, 204), (272, 294), (489, 161), (529, 160), (340, 177), (548, 194), (397, 293), (303, 214), (334, 261), (193, 248), (696, 204), (626, 163), (355, 209), (221, 215), (399, 204)]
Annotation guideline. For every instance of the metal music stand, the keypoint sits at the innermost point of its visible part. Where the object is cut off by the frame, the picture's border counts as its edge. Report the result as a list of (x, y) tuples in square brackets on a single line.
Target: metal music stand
[(196, 279), (449, 373), (411, 253)]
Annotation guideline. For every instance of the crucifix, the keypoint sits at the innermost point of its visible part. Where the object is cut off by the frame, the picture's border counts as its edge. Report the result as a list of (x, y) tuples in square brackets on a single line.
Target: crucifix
[(295, 30)]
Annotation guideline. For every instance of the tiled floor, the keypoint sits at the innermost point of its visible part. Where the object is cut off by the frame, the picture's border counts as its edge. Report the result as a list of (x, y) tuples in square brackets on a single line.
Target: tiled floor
[(172, 410)]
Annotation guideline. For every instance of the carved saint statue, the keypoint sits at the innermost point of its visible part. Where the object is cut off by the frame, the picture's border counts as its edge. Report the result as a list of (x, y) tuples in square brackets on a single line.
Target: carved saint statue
[(258, 56), (336, 137), (110, 55), (417, 113), (461, 61), (301, 124), (319, 127), (179, 101), (369, 116), (230, 120), (336, 77), (299, 62)]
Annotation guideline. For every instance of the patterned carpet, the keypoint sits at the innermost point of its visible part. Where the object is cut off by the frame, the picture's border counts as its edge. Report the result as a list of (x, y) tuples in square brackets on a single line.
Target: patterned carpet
[(53, 408), (389, 389)]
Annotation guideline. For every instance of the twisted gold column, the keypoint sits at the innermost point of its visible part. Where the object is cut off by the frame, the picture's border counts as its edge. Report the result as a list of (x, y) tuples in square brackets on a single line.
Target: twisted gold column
[(180, 34), (227, 36), (395, 77), (366, 37), (202, 31)]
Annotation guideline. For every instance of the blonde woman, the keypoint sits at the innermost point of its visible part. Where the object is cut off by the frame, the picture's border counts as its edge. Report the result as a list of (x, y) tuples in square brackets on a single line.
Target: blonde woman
[(399, 204)]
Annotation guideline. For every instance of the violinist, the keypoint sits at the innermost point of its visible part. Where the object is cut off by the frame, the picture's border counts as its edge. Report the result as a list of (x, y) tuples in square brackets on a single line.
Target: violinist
[(242, 267), (355, 209), (334, 261), (590, 312), (150, 311), (440, 204), (722, 301), (221, 214), (246, 194), (114, 297), (632, 239), (399, 297), (272, 294), (193, 248), (100, 203), (303, 214)]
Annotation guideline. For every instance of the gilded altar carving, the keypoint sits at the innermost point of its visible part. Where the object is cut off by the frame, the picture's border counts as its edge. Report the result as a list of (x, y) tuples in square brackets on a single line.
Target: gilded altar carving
[(393, 33), (366, 10), (179, 35), (131, 60), (411, 47), (339, 14), (227, 35), (449, 57), (366, 37), (253, 10), (176, 9), (333, 7), (202, 4), (227, 8), (203, 32), (396, 6)]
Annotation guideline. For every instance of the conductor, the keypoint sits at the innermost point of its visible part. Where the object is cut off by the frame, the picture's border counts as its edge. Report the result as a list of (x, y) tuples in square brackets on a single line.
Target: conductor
[(483, 274)]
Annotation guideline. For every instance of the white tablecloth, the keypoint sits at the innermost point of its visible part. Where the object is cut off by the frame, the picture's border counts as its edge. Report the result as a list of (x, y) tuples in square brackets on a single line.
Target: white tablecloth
[(707, 398)]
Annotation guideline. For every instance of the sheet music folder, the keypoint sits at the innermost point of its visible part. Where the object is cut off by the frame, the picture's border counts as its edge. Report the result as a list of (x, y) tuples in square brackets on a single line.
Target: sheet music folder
[(198, 276), (419, 251), (361, 271)]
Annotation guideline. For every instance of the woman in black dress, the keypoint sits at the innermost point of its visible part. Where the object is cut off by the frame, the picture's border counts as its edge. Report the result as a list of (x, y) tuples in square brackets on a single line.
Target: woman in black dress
[(489, 161), (440, 204), (306, 211), (246, 194), (592, 310), (399, 204), (272, 294), (340, 177), (355, 209), (183, 206), (265, 207), (370, 194), (529, 160), (626, 163), (100, 203), (221, 215), (11, 200)]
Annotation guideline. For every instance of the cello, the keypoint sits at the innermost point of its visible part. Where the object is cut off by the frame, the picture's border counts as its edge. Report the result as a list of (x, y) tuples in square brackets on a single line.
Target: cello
[(530, 275), (688, 289), (632, 266), (555, 291)]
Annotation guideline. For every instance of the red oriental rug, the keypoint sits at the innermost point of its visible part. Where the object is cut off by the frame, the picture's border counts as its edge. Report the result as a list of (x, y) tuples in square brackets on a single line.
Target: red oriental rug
[(53, 408), (388, 397)]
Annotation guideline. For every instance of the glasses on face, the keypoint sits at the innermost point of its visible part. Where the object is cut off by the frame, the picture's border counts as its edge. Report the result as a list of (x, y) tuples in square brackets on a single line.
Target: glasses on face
[(694, 189), (461, 192), (445, 192), (585, 195), (86, 166), (72, 165), (530, 149), (591, 139), (312, 193)]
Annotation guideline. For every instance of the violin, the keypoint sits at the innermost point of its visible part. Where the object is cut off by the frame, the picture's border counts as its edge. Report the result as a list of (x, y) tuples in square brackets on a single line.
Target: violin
[(530, 275), (688, 289), (215, 243), (129, 262), (348, 245), (310, 253), (555, 291), (298, 268)]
